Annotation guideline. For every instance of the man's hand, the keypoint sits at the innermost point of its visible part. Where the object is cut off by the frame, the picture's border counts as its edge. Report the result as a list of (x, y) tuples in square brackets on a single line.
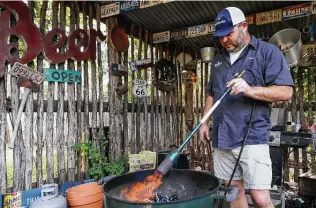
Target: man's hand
[(239, 86), (204, 133)]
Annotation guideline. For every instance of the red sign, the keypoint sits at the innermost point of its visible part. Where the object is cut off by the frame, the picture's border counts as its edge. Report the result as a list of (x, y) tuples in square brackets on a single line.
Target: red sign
[(34, 41)]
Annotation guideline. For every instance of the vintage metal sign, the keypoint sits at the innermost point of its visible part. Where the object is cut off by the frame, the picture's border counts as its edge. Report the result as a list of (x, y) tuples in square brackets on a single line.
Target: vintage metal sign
[(33, 40), (297, 11), (313, 7), (140, 88), (110, 10), (198, 30), (211, 28), (54, 75), (146, 3), (269, 17), (144, 63), (128, 6), (179, 34), (161, 37), (250, 19), (19, 70)]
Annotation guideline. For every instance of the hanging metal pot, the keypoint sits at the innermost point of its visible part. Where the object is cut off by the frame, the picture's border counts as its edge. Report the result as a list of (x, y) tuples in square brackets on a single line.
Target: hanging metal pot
[(207, 54), (289, 41)]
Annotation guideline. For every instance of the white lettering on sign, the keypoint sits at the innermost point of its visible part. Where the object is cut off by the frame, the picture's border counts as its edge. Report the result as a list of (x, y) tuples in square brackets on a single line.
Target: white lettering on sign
[(198, 30), (146, 3), (161, 37), (110, 10), (269, 17), (297, 11), (19, 70), (140, 88)]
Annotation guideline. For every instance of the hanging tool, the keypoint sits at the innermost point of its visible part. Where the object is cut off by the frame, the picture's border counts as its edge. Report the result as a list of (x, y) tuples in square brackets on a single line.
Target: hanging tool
[(168, 162)]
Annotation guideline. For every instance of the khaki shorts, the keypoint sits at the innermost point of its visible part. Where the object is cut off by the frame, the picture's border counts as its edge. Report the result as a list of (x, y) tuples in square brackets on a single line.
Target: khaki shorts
[(255, 166)]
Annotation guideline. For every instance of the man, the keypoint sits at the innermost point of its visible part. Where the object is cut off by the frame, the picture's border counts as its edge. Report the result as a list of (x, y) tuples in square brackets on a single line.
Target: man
[(266, 80)]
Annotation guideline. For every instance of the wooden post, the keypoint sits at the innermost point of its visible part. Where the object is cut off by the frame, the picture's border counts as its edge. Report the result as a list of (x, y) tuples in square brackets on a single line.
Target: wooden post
[(93, 85), (60, 117), (28, 133), (3, 135), (80, 120), (139, 139), (115, 104), (132, 139), (86, 123), (72, 122), (40, 109), (145, 113)]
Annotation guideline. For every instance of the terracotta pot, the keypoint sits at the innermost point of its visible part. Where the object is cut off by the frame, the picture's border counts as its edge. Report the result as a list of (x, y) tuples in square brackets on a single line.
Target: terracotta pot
[(87, 195)]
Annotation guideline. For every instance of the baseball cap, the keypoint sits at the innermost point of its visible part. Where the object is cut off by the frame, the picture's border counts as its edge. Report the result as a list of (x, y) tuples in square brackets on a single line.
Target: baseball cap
[(226, 20)]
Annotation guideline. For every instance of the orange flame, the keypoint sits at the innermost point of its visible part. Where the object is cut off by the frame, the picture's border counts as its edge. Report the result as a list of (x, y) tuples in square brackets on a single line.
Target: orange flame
[(143, 191)]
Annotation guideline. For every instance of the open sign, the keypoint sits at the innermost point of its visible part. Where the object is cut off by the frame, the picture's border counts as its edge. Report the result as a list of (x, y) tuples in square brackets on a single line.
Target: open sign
[(53, 75)]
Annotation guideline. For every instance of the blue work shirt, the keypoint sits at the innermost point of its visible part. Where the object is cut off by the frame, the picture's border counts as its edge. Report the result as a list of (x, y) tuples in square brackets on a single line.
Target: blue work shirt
[(265, 65)]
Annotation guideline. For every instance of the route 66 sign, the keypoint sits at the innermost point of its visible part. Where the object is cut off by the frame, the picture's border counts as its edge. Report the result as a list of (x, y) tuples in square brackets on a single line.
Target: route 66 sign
[(140, 88)]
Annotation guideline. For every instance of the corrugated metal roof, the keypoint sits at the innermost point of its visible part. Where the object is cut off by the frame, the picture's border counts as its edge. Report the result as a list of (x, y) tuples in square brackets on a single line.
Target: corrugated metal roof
[(181, 14)]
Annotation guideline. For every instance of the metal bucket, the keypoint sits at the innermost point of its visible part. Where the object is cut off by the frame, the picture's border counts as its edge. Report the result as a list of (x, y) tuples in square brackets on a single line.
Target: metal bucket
[(207, 54), (289, 41)]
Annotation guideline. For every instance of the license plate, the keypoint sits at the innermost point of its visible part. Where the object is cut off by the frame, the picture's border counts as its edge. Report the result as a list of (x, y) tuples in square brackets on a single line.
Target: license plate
[(269, 17), (110, 10), (161, 37), (297, 11), (198, 30), (19, 70)]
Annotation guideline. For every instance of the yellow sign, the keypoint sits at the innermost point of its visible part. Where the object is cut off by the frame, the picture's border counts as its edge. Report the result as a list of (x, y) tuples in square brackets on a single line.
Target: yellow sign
[(269, 17), (13, 200)]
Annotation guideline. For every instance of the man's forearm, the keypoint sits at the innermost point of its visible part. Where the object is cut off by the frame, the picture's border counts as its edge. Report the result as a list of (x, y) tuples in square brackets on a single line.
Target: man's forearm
[(272, 93)]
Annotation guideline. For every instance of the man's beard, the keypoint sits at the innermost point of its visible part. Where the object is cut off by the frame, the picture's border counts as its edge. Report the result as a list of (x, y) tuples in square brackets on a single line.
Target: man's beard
[(238, 43)]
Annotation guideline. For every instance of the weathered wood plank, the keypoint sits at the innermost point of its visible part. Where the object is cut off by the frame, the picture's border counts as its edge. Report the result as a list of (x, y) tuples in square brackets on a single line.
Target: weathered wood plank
[(146, 139), (152, 98), (60, 137), (28, 133), (3, 135), (100, 72), (162, 122), (40, 109), (18, 153), (86, 123), (157, 117), (72, 119), (139, 139), (79, 104), (115, 104), (125, 113), (132, 140), (93, 84)]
